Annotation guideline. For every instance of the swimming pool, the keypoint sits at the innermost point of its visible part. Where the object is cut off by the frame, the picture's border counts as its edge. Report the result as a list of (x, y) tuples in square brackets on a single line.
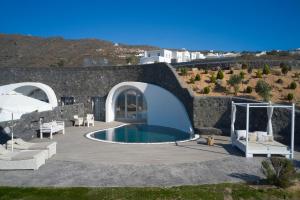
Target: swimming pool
[(140, 134)]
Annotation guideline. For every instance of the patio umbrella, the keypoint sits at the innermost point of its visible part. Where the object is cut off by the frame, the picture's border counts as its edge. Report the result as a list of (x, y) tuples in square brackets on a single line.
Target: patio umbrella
[(19, 104)]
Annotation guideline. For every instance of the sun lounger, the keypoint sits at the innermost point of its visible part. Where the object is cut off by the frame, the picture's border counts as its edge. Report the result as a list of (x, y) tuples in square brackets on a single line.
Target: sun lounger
[(52, 127), (22, 159), (20, 144)]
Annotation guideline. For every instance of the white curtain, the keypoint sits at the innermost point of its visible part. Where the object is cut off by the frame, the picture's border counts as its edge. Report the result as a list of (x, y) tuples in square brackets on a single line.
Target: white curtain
[(233, 112), (270, 113)]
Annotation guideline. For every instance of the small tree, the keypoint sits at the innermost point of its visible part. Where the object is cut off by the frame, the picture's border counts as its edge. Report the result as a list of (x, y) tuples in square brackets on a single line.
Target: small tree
[(206, 90), (213, 78), (220, 74), (234, 81), (249, 89), (197, 77), (284, 68), (279, 171), (266, 69), (249, 70), (290, 96), (242, 75), (293, 85), (263, 89), (183, 71), (258, 73)]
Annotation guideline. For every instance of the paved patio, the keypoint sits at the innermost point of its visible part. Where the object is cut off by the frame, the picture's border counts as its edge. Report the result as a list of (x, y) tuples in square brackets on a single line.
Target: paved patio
[(83, 162)]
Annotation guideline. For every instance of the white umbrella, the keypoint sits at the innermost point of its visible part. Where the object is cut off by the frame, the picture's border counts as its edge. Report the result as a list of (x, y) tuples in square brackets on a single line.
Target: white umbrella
[(19, 104)]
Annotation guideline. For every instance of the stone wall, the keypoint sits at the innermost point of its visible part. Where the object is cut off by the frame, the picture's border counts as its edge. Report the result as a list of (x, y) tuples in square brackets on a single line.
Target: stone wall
[(27, 127), (83, 83)]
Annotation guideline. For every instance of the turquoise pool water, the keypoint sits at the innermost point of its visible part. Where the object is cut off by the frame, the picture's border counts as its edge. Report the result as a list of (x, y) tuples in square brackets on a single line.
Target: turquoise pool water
[(141, 133)]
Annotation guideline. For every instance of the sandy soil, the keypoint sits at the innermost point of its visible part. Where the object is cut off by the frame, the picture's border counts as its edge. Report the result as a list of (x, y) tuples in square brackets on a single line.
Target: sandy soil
[(279, 91)]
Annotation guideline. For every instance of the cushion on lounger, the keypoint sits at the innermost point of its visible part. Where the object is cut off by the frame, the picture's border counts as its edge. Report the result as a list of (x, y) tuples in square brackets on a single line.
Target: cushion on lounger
[(252, 137), (241, 134), (260, 136)]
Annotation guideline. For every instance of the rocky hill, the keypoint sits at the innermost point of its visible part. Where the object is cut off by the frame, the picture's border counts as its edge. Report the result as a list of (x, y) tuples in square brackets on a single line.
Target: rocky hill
[(28, 51)]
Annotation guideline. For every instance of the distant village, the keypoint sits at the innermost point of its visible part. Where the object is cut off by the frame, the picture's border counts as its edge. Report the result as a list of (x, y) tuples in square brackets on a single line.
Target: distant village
[(178, 56)]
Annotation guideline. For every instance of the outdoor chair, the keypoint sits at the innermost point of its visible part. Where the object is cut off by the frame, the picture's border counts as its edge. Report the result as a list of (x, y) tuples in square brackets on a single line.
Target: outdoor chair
[(78, 121), (89, 120)]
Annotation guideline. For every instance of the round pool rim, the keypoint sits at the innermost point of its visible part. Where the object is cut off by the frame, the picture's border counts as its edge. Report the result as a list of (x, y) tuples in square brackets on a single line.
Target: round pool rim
[(89, 136)]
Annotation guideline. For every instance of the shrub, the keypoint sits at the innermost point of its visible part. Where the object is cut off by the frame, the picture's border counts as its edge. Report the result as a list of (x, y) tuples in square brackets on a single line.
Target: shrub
[(284, 68), (258, 74), (197, 77), (230, 72), (293, 85), (244, 66), (280, 81), (249, 70), (183, 71), (249, 89), (235, 81), (297, 75), (205, 71), (192, 80), (266, 69), (213, 78), (279, 171), (206, 90), (290, 96), (242, 74), (263, 89), (220, 74)]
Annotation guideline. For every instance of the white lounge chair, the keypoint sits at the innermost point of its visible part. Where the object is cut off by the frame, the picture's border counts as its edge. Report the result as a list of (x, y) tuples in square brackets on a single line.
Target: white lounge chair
[(20, 144), (78, 121), (52, 127), (89, 120), (22, 159)]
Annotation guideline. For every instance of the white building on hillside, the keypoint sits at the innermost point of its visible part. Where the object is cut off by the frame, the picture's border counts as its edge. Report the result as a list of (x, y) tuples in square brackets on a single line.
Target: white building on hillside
[(162, 55)]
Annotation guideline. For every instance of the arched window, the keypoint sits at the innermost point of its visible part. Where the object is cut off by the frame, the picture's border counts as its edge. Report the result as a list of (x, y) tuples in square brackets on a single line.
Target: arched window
[(131, 106)]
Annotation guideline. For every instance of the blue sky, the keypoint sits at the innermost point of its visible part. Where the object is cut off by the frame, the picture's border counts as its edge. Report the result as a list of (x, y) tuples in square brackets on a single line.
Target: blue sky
[(220, 25)]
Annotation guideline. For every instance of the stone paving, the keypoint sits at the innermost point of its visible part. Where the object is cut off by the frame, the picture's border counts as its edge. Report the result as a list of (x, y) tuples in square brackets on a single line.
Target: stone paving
[(83, 162)]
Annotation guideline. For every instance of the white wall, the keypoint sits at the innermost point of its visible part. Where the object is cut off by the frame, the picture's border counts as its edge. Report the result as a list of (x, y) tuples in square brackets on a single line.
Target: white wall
[(163, 108)]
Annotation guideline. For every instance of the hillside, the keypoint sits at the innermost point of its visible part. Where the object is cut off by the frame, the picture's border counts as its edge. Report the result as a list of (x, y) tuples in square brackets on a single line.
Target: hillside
[(28, 51)]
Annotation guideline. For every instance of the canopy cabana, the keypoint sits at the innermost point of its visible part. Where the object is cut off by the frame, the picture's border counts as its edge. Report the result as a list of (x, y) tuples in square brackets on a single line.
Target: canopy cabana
[(260, 142)]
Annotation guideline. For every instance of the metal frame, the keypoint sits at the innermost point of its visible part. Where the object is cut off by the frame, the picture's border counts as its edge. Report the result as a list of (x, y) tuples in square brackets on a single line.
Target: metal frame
[(265, 105)]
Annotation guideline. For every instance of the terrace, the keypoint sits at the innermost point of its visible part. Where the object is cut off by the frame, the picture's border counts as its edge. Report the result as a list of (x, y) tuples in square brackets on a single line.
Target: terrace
[(83, 162)]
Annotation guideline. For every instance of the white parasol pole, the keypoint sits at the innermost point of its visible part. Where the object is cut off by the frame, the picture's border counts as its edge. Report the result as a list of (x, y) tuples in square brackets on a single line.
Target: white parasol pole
[(12, 131)]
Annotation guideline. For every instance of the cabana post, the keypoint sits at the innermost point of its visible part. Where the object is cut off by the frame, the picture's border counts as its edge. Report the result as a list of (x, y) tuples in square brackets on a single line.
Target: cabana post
[(261, 142)]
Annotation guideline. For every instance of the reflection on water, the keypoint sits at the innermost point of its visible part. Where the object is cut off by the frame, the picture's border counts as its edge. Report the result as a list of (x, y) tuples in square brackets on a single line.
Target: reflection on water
[(142, 133)]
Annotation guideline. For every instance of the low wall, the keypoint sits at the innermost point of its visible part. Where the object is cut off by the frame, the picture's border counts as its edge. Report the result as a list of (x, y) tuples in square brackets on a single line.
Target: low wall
[(27, 127)]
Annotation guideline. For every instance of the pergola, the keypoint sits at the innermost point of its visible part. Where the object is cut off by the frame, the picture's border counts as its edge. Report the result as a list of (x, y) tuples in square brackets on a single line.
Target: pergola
[(270, 147)]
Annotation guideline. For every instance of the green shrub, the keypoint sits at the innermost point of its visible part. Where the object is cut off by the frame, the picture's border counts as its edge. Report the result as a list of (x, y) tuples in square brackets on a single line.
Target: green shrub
[(242, 74), (293, 85), (263, 89), (235, 81), (266, 69), (290, 96), (249, 89), (192, 80), (230, 72), (206, 90), (197, 77), (258, 73), (183, 71), (284, 68), (244, 66), (205, 71), (220, 74), (279, 81), (213, 78), (279, 171)]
